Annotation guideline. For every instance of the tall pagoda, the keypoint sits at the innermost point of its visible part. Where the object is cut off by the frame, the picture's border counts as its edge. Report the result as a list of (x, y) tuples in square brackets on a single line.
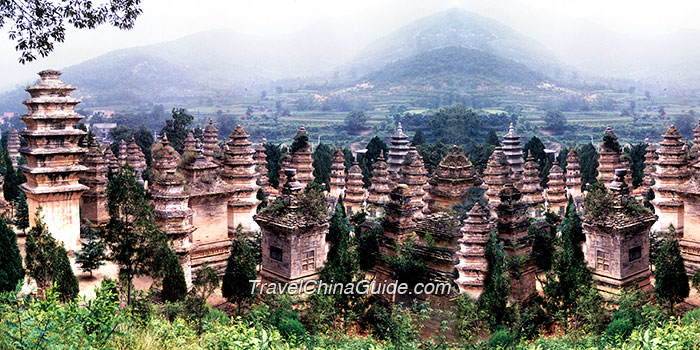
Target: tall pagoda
[(573, 175), (354, 193), (93, 203), (556, 193), (671, 171), (472, 267), (414, 175), (13, 145), (513, 152), (608, 157), (239, 171), (170, 203), (301, 158), (398, 149), (496, 174), (337, 176), (378, 193), (53, 155), (529, 186), (210, 142)]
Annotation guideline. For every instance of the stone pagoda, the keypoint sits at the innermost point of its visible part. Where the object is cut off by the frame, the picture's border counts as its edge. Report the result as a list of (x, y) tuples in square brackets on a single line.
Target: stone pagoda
[(529, 186), (617, 245), (123, 155), (209, 197), (93, 203), (472, 267), (608, 158), (414, 176), (13, 145), (293, 242), (556, 192), (210, 142), (239, 171), (398, 149), (260, 159), (513, 152), (170, 203), (378, 194), (53, 155), (436, 243), (337, 176), (354, 193), (451, 181), (190, 144), (111, 161), (649, 169), (302, 160), (496, 174), (695, 149), (512, 225), (136, 159), (573, 176), (671, 172)]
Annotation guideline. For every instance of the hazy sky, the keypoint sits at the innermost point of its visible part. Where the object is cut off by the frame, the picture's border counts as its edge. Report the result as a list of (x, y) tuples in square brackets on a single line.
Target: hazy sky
[(164, 20)]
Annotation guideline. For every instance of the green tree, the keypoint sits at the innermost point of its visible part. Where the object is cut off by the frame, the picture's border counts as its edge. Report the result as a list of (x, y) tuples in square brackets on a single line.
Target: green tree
[(273, 155), (569, 279), (494, 299), (375, 147), (131, 235), (455, 125), (355, 121), (492, 139), (13, 179), (555, 121), (544, 161), (323, 158), (418, 138), (685, 123), (588, 157), (636, 157), (433, 154), (11, 270), (22, 212), (240, 270), (671, 285), (47, 261), (542, 246), (92, 251), (204, 284), (177, 128), (36, 26), (174, 285)]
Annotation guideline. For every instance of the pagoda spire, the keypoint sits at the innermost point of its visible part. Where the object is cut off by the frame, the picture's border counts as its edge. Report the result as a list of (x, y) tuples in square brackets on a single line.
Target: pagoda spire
[(556, 192), (337, 176), (496, 175), (190, 144), (381, 187), (530, 187), (239, 171), (414, 175), (608, 157), (210, 142), (573, 175), (13, 145), (354, 193), (513, 152), (301, 157), (398, 149), (472, 266), (671, 171), (450, 183)]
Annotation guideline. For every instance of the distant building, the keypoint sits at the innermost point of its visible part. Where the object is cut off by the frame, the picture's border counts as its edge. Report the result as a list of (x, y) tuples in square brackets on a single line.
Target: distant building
[(102, 131)]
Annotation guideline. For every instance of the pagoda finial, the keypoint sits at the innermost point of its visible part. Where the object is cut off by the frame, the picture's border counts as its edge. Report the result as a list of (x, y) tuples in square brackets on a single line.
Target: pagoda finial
[(164, 139)]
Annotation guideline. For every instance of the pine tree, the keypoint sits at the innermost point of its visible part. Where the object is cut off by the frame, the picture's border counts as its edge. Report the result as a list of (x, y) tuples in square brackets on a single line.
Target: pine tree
[(671, 280), (92, 251), (204, 284), (174, 284), (177, 128), (494, 299), (323, 158), (492, 139), (11, 270), (22, 212), (47, 261), (240, 270), (12, 180), (418, 138), (569, 278)]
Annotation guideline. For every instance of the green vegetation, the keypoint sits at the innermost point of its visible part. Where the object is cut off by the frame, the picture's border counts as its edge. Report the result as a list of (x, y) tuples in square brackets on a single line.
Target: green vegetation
[(240, 270), (671, 281), (177, 128), (11, 269), (92, 251)]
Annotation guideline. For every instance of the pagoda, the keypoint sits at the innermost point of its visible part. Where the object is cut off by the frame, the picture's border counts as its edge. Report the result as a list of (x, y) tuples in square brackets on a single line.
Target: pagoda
[(556, 192), (5, 210), (13, 145), (111, 161), (260, 159), (378, 194), (513, 152), (649, 169), (209, 197), (451, 181), (472, 267), (170, 203), (136, 159), (210, 142), (190, 144), (671, 171), (414, 175), (608, 158), (354, 193), (398, 149), (301, 158), (616, 248), (496, 174), (53, 155), (293, 241), (123, 155), (573, 175), (512, 225), (529, 186), (695, 149), (239, 171), (337, 176), (93, 203)]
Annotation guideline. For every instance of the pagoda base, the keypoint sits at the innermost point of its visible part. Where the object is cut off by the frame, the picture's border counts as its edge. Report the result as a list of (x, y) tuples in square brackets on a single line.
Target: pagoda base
[(61, 213), (611, 287)]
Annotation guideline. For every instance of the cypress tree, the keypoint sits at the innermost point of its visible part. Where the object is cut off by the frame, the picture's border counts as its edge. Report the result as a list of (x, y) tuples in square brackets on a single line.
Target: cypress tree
[(240, 270), (22, 212), (492, 139), (12, 180), (92, 251), (47, 261), (174, 284), (494, 299), (671, 280), (11, 270)]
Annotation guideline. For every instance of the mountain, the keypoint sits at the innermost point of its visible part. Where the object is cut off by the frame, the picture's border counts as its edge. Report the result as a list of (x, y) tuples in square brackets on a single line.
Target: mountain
[(456, 27), (456, 67)]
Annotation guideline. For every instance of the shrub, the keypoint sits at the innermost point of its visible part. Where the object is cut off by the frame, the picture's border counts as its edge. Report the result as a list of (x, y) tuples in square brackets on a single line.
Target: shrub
[(619, 329), (692, 316), (502, 339)]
